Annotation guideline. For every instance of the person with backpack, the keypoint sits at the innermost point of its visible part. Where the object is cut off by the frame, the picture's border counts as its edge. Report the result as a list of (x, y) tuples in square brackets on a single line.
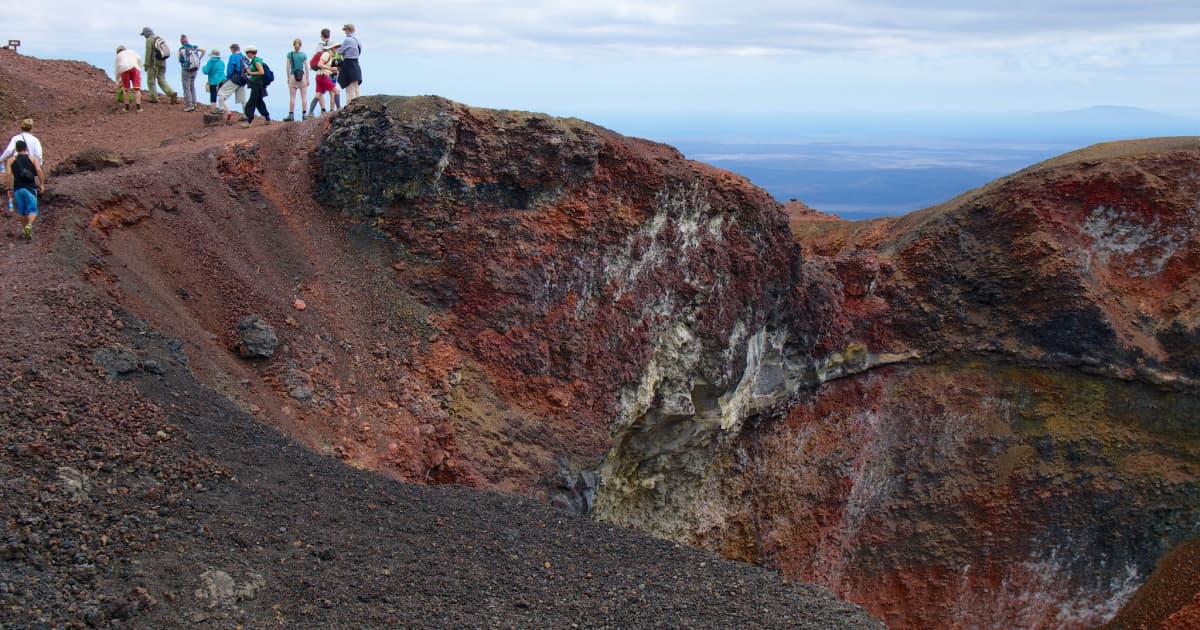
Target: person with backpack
[(255, 74), (349, 72), (214, 70), (234, 83), (335, 97), (129, 77), (325, 72), (157, 54), (25, 181), (297, 79), (189, 64)]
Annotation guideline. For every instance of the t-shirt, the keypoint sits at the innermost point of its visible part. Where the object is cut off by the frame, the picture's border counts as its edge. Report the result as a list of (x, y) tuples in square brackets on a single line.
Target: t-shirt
[(296, 59), (31, 141), (254, 65)]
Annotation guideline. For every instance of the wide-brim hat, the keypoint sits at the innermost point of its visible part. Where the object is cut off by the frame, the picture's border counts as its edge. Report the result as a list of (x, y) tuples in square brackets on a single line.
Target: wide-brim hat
[(331, 45)]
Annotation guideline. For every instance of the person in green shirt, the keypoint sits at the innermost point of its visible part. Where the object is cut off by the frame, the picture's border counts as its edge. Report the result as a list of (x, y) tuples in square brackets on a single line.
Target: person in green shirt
[(156, 69), (297, 65), (258, 91)]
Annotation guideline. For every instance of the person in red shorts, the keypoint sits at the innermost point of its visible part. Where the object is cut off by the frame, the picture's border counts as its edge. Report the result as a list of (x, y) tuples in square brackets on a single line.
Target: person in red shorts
[(325, 68), (129, 77)]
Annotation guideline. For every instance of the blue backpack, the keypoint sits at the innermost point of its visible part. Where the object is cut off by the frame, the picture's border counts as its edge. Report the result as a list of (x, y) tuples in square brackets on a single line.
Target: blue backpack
[(268, 74), (237, 67)]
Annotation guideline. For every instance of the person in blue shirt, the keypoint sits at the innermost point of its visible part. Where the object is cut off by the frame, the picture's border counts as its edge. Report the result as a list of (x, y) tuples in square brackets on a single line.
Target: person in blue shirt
[(233, 83), (349, 73), (189, 65), (214, 69)]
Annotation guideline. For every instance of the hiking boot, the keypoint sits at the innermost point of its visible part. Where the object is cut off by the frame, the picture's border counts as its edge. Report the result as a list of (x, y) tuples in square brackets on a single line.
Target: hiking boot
[(245, 125), (304, 116), (27, 232), (174, 99), (290, 118), (139, 108), (152, 100), (267, 121)]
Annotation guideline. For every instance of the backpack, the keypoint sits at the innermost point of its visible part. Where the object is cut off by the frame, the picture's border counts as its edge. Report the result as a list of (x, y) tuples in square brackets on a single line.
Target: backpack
[(162, 49), (191, 59), (315, 62), (237, 74), (23, 170), (268, 76)]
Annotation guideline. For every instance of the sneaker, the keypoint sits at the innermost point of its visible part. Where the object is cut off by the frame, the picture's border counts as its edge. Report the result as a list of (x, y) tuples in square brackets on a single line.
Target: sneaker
[(27, 232), (189, 108), (304, 116), (245, 125)]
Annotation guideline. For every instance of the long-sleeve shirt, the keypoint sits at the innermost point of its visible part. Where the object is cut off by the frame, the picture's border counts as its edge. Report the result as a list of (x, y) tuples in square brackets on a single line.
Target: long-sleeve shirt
[(35, 146), (351, 49), (126, 61), (152, 60)]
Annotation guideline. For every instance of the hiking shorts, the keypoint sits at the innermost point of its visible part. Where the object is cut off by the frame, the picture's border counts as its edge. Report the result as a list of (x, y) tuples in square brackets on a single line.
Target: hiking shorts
[(25, 201), (131, 79), (324, 84)]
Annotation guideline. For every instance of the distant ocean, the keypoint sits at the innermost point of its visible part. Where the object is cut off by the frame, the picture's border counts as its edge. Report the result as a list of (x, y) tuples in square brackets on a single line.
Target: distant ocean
[(874, 165), (862, 178)]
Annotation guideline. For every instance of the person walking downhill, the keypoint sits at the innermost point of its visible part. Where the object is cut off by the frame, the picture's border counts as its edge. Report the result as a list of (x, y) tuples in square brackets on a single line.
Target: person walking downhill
[(214, 71), (157, 53), (189, 64), (297, 79), (258, 91), (233, 82), (25, 181), (129, 77), (349, 72)]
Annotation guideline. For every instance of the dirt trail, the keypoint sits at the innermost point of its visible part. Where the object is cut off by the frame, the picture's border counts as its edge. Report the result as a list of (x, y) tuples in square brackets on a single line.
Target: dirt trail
[(134, 495)]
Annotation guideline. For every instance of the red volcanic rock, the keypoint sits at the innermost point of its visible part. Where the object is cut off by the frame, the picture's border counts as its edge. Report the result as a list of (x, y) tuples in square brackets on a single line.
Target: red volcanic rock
[(993, 392)]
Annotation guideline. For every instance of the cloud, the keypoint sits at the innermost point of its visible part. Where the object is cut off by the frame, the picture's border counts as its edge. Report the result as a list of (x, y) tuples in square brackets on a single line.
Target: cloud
[(574, 28)]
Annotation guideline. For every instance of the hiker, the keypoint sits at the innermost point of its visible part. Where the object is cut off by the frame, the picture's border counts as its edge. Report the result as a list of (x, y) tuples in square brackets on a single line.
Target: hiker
[(189, 64), (297, 79), (258, 89), (25, 181), (157, 53), (325, 71), (129, 77), (30, 140), (214, 70), (349, 72), (335, 97), (233, 82)]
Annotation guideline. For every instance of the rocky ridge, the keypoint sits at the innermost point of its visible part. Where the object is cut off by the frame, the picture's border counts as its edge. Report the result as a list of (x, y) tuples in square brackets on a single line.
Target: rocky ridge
[(143, 484)]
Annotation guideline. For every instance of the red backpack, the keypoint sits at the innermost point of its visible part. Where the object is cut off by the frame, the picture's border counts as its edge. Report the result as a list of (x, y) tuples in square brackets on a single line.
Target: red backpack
[(316, 60)]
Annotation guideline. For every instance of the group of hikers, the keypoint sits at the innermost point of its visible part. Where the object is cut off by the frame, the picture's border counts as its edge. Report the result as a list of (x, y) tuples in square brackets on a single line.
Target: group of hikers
[(335, 65)]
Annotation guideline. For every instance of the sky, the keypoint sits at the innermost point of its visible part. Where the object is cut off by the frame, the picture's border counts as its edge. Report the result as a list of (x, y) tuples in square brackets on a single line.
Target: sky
[(617, 59)]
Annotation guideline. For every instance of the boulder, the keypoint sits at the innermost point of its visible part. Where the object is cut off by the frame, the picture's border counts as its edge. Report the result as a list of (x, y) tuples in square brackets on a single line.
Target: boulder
[(256, 339)]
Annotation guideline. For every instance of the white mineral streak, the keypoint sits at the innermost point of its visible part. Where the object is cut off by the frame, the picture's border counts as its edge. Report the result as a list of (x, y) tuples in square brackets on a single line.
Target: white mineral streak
[(1145, 244)]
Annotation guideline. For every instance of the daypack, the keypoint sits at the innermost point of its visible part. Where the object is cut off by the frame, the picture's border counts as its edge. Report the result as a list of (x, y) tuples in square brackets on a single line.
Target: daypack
[(237, 74), (191, 58), (161, 48), (267, 76), (23, 170), (315, 62)]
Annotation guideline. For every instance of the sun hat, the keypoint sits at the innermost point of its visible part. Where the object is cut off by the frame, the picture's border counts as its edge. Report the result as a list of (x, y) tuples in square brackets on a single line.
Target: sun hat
[(331, 45), (147, 32), (252, 48)]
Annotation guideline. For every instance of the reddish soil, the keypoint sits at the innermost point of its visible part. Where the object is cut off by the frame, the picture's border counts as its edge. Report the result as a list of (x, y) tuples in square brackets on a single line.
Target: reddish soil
[(157, 494)]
